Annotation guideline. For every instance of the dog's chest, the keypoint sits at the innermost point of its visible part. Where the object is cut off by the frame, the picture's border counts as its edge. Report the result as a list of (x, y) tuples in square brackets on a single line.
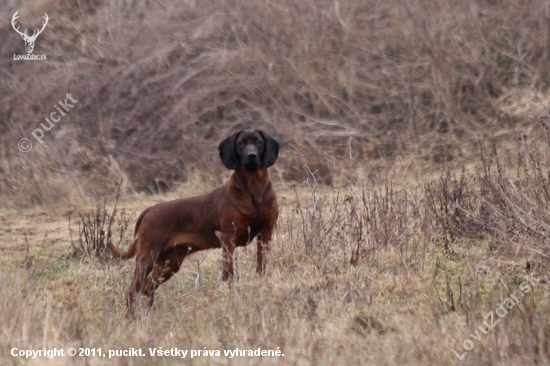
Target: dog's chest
[(248, 234), (257, 219)]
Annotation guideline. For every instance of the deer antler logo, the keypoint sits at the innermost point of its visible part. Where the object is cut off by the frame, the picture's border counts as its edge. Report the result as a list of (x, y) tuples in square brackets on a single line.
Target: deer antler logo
[(29, 41)]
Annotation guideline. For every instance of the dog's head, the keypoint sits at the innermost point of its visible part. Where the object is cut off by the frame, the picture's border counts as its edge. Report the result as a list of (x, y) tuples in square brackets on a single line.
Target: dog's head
[(251, 149)]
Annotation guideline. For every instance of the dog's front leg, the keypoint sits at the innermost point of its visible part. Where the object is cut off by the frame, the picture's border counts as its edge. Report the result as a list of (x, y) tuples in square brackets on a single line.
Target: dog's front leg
[(228, 247), (263, 248)]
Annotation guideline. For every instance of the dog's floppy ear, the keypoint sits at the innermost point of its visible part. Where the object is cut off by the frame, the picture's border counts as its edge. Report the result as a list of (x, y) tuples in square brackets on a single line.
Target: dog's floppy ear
[(271, 150), (227, 152)]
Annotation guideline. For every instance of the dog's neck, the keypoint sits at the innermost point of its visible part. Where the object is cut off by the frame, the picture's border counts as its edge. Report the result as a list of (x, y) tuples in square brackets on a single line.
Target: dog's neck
[(253, 182)]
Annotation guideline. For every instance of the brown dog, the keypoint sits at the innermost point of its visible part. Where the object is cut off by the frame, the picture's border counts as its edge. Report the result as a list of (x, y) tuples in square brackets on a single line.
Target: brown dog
[(231, 215)]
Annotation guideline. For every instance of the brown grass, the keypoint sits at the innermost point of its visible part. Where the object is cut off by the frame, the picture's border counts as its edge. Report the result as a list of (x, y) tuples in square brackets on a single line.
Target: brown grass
[(357, 275), (365, 82)]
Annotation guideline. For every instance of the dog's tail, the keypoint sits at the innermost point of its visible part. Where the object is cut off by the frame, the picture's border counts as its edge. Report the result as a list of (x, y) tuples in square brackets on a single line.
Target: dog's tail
[(124, 255), (131, 252)]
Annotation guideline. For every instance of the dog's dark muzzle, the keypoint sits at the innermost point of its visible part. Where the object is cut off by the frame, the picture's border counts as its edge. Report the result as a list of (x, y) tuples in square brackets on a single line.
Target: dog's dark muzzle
[(251, 160)]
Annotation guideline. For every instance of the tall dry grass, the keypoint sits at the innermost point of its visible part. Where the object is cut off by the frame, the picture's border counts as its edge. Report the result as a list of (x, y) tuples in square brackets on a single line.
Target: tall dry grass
[(158, 84), (357, 275)]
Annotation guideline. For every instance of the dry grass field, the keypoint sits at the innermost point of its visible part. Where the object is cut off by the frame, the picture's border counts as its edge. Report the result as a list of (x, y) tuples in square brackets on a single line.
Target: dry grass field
[(357, 275), (413, 180)]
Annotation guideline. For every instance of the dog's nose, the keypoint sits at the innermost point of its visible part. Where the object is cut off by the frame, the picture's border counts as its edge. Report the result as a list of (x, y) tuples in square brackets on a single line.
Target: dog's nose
[(252, 155)]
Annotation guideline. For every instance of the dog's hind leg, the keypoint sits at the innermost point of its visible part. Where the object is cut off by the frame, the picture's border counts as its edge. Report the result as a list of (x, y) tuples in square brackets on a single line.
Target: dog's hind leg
[(166, 266), (144, 266)]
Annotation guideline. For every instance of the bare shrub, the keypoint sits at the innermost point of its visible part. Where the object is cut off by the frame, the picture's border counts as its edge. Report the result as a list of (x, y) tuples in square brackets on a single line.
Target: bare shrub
[(351, 227), (490, 204), (95, 229), (450, 201)]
